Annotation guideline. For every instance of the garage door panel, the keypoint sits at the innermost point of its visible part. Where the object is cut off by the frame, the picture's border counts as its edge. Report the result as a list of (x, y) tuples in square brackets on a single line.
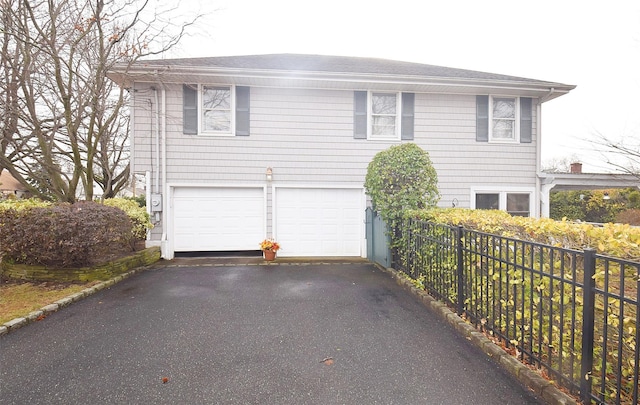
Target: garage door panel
[(319, 222), (218, 219)]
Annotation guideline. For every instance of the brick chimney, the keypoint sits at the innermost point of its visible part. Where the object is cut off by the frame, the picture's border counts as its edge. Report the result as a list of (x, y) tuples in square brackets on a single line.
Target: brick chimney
[(576, 168)]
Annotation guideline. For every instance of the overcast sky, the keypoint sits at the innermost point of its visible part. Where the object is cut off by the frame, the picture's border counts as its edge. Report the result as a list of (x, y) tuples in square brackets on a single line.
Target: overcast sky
[(592, 44)]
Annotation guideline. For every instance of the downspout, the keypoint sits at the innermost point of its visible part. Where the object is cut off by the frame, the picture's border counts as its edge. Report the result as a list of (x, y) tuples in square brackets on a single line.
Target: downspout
[(156, 170), (160, 138), (165, 196), (132, 144), (147, 179), (538, 197), (542, 200)]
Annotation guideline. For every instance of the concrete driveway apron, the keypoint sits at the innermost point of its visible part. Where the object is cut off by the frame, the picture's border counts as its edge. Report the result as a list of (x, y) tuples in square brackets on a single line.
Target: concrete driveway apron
[(249, 334)]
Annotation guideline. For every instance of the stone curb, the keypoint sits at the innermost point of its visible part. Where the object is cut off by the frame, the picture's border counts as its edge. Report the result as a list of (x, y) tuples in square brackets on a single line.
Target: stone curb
[(43, 312), (529, 378), (264, 263)]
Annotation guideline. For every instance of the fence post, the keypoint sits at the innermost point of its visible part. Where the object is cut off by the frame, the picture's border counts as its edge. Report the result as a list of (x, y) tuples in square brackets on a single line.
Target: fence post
[(369, 232), (460, 270), (588, 325)]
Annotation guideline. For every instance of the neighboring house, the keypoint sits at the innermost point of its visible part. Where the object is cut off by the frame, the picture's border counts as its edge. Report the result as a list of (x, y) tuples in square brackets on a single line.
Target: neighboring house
[(576, 180), (240, 148), (10, 186)]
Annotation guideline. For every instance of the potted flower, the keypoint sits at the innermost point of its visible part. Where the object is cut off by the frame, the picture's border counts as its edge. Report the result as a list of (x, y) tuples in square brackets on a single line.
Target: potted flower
[(269, 248)]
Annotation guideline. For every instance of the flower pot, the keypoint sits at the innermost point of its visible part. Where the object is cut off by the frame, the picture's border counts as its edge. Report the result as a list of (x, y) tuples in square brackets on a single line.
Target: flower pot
[(269, 255)]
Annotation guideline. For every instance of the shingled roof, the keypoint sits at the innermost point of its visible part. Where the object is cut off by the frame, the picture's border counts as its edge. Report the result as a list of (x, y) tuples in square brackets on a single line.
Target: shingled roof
[(324, 63), (323, 71)]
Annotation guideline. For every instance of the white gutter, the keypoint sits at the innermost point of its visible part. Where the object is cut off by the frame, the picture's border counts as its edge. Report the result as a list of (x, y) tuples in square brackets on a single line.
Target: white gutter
[(168, 71), (548, 96), (310, 79)]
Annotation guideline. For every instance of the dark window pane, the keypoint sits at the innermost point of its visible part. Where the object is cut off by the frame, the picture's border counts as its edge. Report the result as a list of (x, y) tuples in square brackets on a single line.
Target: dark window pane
[(518, 204), (487, 201)]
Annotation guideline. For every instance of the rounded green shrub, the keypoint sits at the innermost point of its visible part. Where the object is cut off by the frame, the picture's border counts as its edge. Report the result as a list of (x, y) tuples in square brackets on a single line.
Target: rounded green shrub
[(400, 178)]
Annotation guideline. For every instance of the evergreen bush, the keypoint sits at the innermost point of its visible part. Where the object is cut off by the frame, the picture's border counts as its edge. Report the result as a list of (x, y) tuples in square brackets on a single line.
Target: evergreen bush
[(401, 178), (136, 213), (64, 235)]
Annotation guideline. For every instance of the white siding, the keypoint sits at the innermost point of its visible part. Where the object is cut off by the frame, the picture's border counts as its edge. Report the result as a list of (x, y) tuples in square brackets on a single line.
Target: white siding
[(306, 136)]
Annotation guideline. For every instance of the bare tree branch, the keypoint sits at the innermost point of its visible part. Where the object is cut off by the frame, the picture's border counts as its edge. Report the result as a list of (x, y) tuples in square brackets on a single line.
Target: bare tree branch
[(623, 154), (64, 123)]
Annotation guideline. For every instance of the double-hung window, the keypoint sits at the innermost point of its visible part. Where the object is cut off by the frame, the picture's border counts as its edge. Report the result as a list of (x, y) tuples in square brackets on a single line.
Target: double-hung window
[(504, 119), (384, 116), (215, 110)]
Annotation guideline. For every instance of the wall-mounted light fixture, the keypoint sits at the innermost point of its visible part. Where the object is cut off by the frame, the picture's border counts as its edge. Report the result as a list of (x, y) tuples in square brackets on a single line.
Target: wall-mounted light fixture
[(454, 203), (269, 174), (606, 196)]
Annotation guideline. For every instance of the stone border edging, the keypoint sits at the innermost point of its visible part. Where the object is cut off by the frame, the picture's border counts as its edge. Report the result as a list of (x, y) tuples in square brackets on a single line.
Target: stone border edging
[(535, 382), (98, 272), (36, 315)]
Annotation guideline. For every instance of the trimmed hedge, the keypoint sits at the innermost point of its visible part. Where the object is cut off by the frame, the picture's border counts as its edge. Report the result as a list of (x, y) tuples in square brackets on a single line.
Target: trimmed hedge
[(64, 235), (619, 240), (138, 215)]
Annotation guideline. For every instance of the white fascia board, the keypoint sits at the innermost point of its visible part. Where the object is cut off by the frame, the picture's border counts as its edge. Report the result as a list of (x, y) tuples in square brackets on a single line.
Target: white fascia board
[(336, 80)]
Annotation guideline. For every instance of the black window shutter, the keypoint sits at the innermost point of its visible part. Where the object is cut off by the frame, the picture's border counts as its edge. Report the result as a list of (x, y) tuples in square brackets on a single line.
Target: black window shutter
[(482, 118), (360, 115), (190, 109), (242, 111), (525, 120), (408, 109)]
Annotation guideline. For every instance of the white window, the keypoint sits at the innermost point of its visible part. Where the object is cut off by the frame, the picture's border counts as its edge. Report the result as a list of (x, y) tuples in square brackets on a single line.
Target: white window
[(215, 110), (215, 102), (503, 119), (517, 202), (384, 116)]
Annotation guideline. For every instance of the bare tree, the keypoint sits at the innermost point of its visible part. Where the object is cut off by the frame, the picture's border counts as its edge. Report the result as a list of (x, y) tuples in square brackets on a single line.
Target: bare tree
[(623, 154), (559, 165), (64, 123)]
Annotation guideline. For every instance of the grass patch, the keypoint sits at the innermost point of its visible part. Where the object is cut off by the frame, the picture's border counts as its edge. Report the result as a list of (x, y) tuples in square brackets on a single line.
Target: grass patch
[(18, 299)]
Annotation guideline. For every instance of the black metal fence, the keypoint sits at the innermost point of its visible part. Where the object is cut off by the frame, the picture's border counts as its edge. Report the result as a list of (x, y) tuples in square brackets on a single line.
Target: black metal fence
[(573, 314)]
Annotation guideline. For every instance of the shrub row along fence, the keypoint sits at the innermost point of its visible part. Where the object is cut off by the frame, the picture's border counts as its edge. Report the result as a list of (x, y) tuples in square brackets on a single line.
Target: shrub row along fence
[(573, 314)]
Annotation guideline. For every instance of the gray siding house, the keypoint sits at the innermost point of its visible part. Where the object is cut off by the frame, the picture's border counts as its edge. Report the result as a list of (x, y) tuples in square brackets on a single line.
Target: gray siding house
[(241, 148)]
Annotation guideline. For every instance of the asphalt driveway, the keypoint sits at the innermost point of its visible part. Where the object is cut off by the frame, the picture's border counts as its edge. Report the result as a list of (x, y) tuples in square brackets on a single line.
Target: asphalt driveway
[(290, 334)]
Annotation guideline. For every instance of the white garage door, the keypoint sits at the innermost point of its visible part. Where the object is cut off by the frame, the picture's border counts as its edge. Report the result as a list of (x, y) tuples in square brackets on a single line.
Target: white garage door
[(218, 219), (319, 221)]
